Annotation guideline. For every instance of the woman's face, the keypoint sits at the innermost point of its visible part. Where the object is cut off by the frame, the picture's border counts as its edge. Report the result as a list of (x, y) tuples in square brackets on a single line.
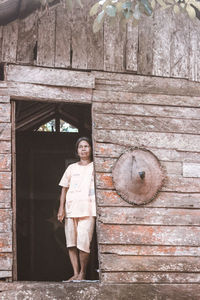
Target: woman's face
[(84, 150)]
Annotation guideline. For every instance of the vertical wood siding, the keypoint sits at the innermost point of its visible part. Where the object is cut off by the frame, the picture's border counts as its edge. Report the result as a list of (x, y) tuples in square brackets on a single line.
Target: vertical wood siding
[(164, 45), (5, 185), (157, 242)]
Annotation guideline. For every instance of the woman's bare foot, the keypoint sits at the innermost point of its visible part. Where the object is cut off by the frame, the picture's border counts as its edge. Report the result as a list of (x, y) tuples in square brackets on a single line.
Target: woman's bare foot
[(74, 277), (81, 276)]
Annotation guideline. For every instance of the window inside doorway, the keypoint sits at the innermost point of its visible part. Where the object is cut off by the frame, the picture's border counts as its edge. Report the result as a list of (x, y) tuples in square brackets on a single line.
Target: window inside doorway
[(41, 158)]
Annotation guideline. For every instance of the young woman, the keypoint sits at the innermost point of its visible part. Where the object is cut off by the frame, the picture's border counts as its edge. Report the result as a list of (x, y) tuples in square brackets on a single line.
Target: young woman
[(78, 207)]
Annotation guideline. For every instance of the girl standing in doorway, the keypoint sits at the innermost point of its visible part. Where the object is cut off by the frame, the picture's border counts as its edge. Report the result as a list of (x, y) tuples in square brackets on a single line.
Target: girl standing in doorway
[(78, 207)]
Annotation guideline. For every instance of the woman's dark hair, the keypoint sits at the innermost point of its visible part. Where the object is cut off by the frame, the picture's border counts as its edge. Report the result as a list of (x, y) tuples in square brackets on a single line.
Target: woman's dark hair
[(88, 140)]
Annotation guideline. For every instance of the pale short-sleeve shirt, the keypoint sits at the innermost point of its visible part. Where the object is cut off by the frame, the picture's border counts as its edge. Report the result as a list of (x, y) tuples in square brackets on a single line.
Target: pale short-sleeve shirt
[(80, 197)]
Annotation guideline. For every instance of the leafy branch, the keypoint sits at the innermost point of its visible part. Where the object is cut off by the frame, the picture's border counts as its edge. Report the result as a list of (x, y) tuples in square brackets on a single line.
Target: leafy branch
[(133, 9)]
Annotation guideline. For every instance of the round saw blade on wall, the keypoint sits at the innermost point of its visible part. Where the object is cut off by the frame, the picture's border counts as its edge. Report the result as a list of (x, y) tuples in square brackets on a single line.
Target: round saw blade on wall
[(137, 176)]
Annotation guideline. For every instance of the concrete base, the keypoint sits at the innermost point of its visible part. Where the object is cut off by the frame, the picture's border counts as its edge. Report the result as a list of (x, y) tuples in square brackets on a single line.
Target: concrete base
[(97, 291)]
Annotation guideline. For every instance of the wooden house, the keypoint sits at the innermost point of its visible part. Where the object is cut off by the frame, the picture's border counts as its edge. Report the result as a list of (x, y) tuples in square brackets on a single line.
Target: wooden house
[(133, 87)]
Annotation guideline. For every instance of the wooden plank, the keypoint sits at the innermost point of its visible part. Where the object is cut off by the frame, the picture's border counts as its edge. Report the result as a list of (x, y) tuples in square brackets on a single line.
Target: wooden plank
[(5, 180), (142, 123), (112, 262), (114, 45), (131, 47), (5, 261), (171, 155), (95, 43), (46, 39), (147, 110), (14, 191), (194, 51), (106, 165), (163, 31), (5, 199), (27, 39), (150, 277), (163, 199), (140, 98), (172, 183), (9, 44), (145, 84), (181, 142), (5, 220), (46, 76), (5, 162), (149, 216), (5, 147), (5, 133), (191, 170), (149, 235), (145, 46), (27, 91), (1, 40), (5, 274), (5, 242), (79, 37), (63, 38), (4, 99), (5, 112), (149, 250), (179, 58)]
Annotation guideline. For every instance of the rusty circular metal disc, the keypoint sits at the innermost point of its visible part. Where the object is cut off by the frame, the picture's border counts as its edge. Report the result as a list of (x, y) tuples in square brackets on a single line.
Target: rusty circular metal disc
[(137, 176)]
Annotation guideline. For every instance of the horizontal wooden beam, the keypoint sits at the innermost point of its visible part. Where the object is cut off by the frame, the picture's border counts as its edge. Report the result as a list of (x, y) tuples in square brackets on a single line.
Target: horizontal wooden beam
[(149, 216), (150, 277), (149, 235), (163, 199), (113, 262), (48, 76), (145, 84), (28, 91), (150, 250)]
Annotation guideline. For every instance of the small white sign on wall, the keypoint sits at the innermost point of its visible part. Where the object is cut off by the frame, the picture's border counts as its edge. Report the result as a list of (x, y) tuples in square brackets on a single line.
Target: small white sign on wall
[(191, 170)]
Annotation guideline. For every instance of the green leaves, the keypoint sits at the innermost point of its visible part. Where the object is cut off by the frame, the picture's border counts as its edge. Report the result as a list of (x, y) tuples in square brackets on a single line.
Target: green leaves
[(125, 10)]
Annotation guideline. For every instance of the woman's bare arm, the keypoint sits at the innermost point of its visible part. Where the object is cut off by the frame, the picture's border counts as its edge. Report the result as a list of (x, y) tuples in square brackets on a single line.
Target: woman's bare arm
[(61, 210)]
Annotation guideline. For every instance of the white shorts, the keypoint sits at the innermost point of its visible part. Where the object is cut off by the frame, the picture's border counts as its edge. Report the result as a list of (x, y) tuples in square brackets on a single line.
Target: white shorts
[(79, 232)]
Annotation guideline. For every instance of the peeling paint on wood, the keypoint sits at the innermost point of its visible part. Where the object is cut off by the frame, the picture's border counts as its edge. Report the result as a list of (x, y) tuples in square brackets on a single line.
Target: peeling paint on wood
[(149, 235), (150, 250), (5, 220), (5, 180), (5, 242), (5, 146), (182, 142), (5, 133), (5, 261), (149, 216), (5, 199), (113, 262), (163, 199)]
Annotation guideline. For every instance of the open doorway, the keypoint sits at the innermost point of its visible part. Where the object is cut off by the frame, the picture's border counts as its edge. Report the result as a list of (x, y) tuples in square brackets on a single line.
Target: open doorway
[(45, 138)]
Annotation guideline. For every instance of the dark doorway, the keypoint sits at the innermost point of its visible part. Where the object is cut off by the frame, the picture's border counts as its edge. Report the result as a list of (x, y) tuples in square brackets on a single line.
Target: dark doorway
[(45, 139)]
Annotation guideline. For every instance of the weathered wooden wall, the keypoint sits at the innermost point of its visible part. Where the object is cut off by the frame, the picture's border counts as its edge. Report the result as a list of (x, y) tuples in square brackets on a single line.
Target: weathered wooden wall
[(157, 242), (5, 184), (164, 45)]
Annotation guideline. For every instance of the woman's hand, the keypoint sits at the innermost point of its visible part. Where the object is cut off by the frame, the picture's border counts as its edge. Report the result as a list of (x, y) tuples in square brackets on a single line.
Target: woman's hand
[(61, 214)]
